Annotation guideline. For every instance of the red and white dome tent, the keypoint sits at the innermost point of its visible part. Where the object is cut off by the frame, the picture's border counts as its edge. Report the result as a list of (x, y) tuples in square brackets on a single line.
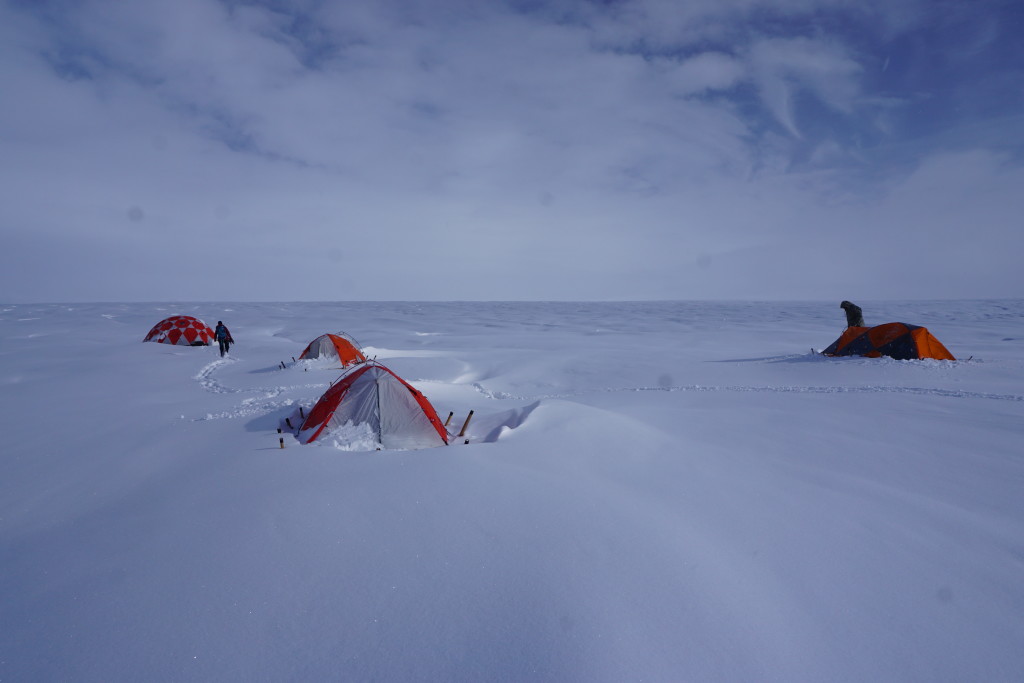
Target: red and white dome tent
[(334, 345), (399, 415), (183, 330)]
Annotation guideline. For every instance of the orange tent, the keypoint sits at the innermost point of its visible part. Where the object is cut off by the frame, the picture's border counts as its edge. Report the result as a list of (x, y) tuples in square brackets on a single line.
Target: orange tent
[(333, 346), (895, 340), (398, 415), (181, 329)]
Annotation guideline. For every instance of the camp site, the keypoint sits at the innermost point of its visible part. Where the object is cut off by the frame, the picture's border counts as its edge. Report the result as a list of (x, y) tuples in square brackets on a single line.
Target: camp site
[(646, 491)]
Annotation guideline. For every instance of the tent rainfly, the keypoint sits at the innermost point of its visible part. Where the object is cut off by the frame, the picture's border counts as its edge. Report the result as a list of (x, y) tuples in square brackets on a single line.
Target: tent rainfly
[(399, 415), (895, 340), (333, 346), (181, 329)]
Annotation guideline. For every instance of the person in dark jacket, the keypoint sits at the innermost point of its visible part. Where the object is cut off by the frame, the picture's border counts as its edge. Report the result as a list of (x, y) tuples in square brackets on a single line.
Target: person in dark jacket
[(223, 337), (854, 315)]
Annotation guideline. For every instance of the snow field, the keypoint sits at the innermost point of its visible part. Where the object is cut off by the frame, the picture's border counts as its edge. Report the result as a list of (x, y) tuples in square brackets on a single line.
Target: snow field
[(654, 491)]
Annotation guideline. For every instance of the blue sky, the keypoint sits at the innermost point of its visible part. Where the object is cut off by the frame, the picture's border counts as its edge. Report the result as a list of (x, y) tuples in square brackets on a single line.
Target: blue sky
[(377, 149)]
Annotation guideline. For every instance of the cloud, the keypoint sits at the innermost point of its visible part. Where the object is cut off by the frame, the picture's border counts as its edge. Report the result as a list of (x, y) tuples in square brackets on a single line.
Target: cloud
[(705, 72), (555, 150), (785, 68)]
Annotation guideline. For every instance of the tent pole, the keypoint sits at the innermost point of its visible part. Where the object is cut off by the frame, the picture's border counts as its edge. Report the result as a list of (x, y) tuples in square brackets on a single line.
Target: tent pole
[(465, 424), (380, 422)]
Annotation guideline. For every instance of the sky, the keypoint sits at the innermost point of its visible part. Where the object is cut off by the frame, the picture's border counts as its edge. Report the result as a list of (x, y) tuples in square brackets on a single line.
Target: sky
[(307, 150)]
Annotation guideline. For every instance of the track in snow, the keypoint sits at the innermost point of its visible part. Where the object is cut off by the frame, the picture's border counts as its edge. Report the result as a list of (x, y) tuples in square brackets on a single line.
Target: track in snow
[(267, 401)]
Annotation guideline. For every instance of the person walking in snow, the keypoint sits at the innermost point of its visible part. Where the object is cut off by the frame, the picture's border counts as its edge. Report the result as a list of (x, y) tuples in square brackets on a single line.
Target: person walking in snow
[(854, 315), (223, 337)]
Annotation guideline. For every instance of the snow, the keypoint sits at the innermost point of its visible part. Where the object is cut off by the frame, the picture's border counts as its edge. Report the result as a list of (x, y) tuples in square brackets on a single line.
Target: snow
[(659, 491)]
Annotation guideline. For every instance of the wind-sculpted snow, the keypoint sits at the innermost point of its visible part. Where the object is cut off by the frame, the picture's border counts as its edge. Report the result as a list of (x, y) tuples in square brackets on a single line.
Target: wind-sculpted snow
[(804, 390), (668, 491)]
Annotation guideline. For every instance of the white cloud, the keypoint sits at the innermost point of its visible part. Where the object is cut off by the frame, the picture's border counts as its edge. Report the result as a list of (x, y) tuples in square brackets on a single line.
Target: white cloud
[(504, 138), (707, 71), (783, 68)]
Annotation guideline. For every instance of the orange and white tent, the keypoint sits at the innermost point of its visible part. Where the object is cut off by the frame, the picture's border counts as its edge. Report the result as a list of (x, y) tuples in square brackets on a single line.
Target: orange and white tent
[(398, 415), (895, 340), (181, 329), (333, 346)]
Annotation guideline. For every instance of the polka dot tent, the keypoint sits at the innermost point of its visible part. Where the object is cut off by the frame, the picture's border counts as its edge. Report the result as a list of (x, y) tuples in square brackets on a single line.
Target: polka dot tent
[(181, 329)]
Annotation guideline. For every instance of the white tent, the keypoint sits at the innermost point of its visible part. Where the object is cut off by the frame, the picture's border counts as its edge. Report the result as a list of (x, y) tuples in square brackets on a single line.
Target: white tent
[(370, 394)]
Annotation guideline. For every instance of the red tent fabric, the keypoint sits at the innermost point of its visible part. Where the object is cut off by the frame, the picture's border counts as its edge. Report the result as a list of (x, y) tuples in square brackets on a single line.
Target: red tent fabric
[(181, 329), (331, 346), (895, 340), (399, 415)]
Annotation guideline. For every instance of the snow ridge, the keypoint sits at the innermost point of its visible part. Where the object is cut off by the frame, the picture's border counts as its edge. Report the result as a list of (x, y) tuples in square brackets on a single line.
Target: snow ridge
[(922, 391)]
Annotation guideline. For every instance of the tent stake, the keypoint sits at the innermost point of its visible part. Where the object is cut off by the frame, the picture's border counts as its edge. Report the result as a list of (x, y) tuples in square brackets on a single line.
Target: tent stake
[(449, 418), (302, 414), (465, 424), (289, 421), (282, 441)]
